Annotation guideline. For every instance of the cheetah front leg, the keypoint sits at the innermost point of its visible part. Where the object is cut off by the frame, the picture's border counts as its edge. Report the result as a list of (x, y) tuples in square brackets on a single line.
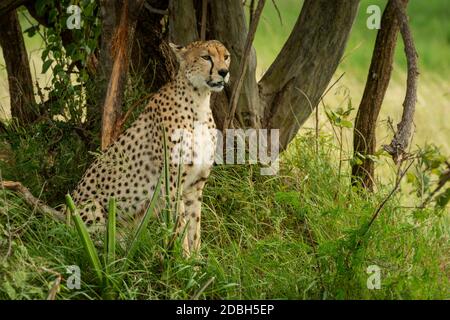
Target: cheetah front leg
[(192, 199), (177, 208)]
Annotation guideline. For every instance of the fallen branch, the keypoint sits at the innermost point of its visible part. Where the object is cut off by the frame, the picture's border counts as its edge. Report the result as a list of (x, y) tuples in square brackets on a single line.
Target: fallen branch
[(32, 200), (397, 148)]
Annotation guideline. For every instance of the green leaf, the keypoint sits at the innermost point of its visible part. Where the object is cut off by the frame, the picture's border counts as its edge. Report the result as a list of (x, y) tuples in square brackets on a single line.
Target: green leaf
[(357, 161), (346, 124), (373, 158), (31, 31), (86, 240), (331, 115), (10, 291), (443, 198), (46, 65), (45, 53)]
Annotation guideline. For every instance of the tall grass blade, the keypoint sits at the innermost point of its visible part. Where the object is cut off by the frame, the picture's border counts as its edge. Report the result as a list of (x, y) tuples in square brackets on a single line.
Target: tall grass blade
[(178, 191), (83, 233), (111, 233), (143, 225), (167, 217)]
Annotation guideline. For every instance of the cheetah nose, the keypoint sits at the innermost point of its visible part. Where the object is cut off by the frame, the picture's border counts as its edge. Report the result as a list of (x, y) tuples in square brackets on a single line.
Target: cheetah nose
[(223, 72)]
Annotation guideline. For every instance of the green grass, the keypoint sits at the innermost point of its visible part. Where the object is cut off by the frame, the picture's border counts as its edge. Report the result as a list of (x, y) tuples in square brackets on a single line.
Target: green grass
[(290, 236)]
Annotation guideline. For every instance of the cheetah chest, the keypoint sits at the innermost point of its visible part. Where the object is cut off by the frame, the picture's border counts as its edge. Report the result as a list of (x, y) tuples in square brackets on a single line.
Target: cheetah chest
[(203, 146)]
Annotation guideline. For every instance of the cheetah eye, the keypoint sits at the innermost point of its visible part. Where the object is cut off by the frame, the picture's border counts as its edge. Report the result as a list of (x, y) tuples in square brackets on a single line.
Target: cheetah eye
[(207, 58), (227, 56)]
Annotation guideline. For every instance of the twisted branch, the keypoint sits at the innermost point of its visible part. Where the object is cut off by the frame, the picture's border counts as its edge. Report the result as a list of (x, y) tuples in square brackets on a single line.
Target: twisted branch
[(398, 145)]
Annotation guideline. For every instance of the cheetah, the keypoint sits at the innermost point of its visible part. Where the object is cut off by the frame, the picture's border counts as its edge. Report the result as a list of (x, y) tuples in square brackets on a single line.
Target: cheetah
[(130, 168)]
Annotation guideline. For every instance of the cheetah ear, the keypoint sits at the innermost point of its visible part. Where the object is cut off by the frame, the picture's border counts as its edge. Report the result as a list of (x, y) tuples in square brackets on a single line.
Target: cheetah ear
[(177, 50)]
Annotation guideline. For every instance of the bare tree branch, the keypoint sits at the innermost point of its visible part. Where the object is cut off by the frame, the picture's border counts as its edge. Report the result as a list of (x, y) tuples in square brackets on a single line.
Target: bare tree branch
[(31, 200), (397, 148)]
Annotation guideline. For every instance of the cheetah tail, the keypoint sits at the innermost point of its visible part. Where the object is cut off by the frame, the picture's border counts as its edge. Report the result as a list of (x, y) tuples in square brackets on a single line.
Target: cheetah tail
[(31, 200)]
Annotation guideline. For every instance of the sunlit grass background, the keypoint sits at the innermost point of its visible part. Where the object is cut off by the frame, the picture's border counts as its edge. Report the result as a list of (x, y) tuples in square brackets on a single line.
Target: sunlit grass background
[(431, 30)]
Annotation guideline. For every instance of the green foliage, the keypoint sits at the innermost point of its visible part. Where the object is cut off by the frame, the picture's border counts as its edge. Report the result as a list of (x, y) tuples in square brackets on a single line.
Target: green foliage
[(339, 118), (49, 157), (431, 171), (67, 53)]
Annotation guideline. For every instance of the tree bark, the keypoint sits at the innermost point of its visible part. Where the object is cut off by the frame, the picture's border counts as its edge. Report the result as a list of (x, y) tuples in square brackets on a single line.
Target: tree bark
[(314, 49), (182, 22), (8, 5), (398, 145), (364, 139), (23, 104), (233, 34), (119, 21), (151, 57), (304, 66)]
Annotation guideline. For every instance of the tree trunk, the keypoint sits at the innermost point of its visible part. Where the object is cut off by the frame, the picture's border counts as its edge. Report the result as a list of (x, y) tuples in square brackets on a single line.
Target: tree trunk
[(294, 83), (182, 22), (151, 56), (8, 5), (233, 33), (364, 139), (23, 104), (399, 144), (119, 21)]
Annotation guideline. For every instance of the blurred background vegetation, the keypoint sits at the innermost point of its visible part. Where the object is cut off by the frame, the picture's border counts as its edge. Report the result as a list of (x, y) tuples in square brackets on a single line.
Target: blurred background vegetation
[(431, 30)]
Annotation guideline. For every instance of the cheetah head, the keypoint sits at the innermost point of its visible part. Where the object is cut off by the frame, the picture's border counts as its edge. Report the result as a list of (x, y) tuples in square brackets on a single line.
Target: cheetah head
[(204, 63)]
